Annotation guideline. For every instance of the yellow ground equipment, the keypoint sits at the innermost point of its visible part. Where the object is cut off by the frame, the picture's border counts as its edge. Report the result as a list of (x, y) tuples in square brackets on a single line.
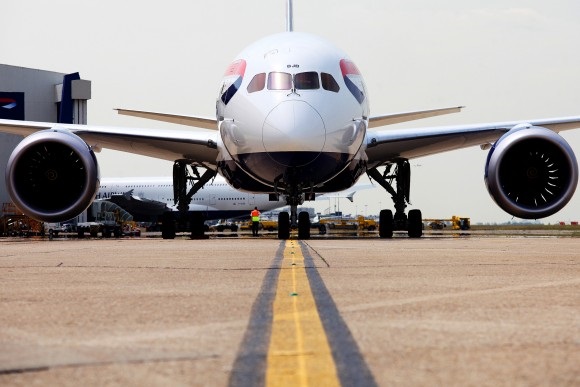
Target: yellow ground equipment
[(265, 224), (456, 223), (340, 223), (366, 224)]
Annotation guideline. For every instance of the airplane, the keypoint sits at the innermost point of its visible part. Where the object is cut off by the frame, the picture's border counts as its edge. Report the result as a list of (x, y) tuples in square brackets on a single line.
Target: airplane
[(154, 196), (293, 121), (152, 199)]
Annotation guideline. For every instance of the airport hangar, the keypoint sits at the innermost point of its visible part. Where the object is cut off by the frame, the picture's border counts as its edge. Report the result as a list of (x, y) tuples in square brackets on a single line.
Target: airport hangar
[(37, 95)]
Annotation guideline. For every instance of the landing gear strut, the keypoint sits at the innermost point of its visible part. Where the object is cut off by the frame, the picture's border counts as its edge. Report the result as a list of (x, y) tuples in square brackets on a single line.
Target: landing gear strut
[(294, 219), (400, 194), (182, 198)]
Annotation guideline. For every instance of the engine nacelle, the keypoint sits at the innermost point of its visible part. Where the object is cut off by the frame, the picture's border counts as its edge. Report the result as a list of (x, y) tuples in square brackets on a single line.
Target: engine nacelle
[(52, 175), (531, 172)]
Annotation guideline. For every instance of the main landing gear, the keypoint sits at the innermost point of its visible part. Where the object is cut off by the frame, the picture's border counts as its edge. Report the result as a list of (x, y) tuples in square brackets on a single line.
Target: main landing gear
[(388, 223), (184, 219)]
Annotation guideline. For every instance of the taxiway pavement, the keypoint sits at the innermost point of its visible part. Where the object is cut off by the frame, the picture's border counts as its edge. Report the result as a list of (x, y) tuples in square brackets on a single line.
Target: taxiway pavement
[(485, 311)]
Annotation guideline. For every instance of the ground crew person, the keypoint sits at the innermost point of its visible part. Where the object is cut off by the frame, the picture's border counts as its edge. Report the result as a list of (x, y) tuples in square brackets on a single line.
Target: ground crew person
[(255, 221)]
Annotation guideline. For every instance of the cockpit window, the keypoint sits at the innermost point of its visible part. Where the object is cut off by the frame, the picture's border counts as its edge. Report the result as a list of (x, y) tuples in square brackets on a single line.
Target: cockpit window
[(279, 81), (257, 83), (329, 83), (306, 81)]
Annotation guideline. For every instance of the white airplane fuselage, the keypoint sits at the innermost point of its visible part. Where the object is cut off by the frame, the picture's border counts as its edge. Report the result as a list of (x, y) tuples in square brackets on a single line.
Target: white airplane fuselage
[(292, 114), (216, 197)]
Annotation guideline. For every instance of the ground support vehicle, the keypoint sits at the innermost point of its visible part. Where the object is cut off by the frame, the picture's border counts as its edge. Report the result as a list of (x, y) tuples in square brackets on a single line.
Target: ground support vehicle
[(107, 218), (223, 225)]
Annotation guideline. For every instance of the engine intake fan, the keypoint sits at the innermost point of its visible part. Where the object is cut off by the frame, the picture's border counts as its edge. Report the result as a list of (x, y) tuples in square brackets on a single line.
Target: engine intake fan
[(52, 175), (531, 172)]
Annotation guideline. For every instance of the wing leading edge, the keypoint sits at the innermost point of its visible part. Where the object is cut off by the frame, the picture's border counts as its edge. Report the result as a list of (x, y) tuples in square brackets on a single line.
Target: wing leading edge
[(198, 122), (386, 145), (195, 145), (397, 118)]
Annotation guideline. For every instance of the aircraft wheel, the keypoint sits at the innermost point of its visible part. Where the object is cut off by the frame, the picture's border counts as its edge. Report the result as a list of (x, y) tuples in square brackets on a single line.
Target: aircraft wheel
[(283, 225), (386, 224), (168, 226), (415, 226), (303, 225), (196, 224)]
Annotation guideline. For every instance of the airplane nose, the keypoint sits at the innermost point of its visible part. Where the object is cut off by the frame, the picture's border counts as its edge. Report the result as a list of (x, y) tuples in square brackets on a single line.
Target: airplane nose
[(293, 133)]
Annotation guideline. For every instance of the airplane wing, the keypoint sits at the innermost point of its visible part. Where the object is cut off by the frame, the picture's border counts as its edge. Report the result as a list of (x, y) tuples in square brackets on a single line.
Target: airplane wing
[(195, 145), (199, 122), (396, 118), (136, 205), (386, 145)]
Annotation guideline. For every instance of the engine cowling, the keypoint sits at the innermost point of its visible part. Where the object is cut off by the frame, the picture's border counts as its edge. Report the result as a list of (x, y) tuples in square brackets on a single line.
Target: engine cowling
[(531, 172), (52, 175)]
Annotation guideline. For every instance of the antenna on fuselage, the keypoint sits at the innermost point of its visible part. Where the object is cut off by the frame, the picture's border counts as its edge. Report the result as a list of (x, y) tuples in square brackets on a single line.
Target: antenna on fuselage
[(289, 16)]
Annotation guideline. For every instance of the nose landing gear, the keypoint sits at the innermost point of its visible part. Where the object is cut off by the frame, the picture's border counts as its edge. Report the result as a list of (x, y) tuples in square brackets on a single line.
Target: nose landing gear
[(294, 220)]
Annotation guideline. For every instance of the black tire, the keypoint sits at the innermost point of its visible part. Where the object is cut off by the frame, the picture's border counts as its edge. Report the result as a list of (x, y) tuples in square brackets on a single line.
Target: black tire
[(168, 226), (283, 225), (303, 225), (196, 223), (386, 224), (415, 224)]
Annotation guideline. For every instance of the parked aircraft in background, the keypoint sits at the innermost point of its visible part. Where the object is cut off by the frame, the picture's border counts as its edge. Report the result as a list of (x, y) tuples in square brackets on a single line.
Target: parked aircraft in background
[(146, 197), (293, 121)]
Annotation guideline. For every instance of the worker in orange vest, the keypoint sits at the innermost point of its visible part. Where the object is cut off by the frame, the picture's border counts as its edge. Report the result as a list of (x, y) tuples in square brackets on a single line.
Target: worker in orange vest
[(255, 214)]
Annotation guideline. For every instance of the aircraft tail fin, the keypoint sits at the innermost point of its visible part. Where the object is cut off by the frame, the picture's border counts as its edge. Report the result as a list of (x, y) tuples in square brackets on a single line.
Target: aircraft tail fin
[(350, 196)]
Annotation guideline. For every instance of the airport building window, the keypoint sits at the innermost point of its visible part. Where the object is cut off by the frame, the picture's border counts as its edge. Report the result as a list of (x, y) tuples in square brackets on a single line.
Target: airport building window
[(329, 83), (306, 81), (279, 81), (257, 83)]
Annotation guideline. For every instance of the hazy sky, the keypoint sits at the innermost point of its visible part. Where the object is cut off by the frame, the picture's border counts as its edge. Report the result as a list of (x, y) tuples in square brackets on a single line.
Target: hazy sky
[(504, 60)]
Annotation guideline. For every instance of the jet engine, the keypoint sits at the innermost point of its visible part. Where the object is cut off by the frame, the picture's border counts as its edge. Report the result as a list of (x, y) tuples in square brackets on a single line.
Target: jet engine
[(52, 175), (531, 172)]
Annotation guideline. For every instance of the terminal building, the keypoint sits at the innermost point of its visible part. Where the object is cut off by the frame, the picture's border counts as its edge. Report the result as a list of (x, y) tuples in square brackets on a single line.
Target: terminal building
[(37, 95)]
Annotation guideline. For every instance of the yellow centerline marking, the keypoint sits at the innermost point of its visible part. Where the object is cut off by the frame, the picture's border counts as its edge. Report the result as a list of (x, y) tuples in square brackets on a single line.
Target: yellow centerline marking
[(299, 353)]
